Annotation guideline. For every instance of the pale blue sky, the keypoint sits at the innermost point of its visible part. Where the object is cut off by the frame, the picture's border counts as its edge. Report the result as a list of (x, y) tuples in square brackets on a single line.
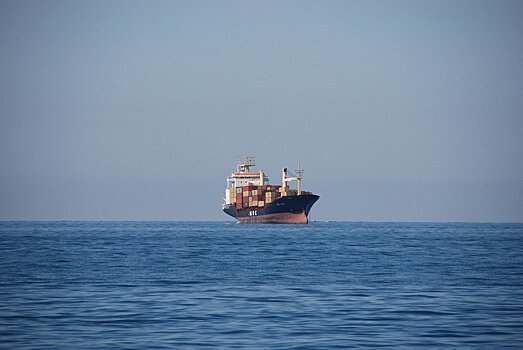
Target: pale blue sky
[(137, 110)]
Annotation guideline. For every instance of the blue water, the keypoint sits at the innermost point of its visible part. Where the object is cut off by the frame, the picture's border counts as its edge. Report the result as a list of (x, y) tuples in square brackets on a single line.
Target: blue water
[(154, 285)]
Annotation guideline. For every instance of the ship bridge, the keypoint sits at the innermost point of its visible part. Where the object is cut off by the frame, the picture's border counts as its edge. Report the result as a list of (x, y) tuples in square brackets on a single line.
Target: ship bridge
[(244, 176)]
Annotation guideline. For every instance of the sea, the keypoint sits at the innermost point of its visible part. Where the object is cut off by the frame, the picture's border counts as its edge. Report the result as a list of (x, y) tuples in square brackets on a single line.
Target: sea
[(220, 285)]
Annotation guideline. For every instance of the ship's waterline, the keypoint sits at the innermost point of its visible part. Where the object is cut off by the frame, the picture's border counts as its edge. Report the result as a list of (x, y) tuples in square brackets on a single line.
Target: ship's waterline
[(281, 218)]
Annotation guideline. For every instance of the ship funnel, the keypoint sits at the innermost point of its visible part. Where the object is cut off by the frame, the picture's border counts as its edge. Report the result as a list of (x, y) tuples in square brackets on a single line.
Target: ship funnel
[(262, 178)]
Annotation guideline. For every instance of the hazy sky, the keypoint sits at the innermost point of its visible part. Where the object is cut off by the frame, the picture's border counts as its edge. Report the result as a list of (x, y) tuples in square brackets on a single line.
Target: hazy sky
[(137, 110)]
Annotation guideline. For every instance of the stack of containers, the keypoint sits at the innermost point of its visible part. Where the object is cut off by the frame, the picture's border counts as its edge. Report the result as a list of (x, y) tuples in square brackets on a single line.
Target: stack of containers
[(254, 196), (269, 197), (246, 193), (261, 196), (277, 193), (239, 198), (232, 195)]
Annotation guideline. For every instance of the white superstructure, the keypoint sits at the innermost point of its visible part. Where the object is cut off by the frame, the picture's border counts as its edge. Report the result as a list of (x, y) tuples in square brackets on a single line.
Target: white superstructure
[(244, 177)]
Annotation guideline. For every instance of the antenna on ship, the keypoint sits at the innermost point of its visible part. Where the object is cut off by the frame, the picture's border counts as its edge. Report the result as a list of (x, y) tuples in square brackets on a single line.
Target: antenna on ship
[(245, 163), (299, 173)]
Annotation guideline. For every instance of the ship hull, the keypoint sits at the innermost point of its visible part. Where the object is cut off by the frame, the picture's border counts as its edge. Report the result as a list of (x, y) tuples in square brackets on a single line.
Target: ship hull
[(284, 210), (280, 218)]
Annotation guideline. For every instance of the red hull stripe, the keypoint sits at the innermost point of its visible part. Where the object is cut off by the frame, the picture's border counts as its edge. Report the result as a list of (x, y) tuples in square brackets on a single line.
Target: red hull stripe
[(280, 218)]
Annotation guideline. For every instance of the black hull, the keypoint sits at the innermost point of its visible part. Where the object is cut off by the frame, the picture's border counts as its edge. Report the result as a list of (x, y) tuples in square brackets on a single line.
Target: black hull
[(284, 210)]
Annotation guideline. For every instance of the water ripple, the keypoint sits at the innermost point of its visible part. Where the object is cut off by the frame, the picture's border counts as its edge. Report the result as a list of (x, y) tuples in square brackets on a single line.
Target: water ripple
[(100, 285)]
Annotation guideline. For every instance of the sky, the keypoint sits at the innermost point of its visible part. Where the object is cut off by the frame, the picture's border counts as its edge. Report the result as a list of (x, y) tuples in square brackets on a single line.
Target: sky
[(138, 110)]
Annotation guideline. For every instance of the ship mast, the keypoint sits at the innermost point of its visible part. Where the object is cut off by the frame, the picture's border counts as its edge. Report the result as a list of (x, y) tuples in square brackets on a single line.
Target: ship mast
[(245, 163), (297, 178), (299, 173)]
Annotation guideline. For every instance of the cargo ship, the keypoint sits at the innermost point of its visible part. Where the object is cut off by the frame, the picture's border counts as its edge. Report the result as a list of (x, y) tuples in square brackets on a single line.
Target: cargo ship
[(250, 199)]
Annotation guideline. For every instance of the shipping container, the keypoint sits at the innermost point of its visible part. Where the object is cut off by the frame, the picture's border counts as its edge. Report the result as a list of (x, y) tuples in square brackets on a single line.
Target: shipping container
[(261, 203)]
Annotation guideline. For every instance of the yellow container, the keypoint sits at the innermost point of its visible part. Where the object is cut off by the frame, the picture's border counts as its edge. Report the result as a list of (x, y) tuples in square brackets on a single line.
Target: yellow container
[(254, 203), (261, 203)]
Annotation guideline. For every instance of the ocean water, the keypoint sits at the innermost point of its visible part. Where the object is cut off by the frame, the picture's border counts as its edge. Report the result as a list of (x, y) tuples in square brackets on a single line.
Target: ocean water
[(197, 285)]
